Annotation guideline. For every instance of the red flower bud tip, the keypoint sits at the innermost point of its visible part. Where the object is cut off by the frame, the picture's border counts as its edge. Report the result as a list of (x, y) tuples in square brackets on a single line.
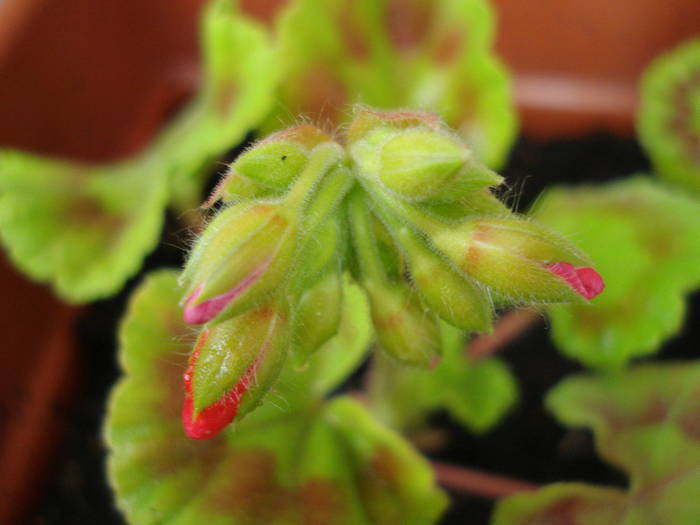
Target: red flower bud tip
[(204, 311), (208, 422), (585, 281)]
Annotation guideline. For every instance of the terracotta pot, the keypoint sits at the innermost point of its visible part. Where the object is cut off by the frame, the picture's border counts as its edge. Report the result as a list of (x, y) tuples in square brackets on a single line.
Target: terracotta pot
[(38, 376), (577, 64), (93, 79)]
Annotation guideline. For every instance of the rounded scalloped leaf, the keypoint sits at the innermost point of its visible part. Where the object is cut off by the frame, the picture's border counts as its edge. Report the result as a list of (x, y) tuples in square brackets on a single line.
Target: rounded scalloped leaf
[(312, 463), (645, 241), (84, 229), (645, 421), (393, 53), (668, 119)]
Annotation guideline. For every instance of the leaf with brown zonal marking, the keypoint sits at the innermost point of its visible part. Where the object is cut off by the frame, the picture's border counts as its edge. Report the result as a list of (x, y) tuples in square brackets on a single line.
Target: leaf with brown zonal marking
[(645, 240), (295, 460), (645, 422), (427, 54), (86, 228)]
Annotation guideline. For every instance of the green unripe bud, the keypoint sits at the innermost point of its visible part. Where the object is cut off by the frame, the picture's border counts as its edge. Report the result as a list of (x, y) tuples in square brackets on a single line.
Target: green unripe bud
[(316, 315), (276, 163), (243, 261), (234, 188), (405, 329), (417, 163), (229, 228), (456, 298), (367, 120), (480, 203), (232, 367), (270, 166), (512, 256)]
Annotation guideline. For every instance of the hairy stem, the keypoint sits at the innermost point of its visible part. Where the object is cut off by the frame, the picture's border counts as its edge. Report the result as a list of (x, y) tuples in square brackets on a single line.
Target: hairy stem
[(507, 328)]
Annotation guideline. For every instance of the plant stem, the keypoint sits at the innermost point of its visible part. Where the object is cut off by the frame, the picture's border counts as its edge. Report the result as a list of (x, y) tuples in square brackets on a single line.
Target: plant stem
[(507, 328), (477, 483)]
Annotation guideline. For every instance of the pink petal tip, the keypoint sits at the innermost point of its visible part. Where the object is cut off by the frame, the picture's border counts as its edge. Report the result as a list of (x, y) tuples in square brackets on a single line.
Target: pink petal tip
[(585, 281), (212, 419)]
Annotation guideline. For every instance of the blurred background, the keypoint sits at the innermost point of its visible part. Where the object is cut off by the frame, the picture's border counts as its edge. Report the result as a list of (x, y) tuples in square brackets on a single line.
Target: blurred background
[(94, 80)]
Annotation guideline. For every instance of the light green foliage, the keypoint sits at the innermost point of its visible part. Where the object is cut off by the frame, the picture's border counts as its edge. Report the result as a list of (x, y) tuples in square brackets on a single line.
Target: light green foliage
[(426, 54), (668, 119), (476, 393), (296, 460), (84, 228), (645, 421), (645, 239)]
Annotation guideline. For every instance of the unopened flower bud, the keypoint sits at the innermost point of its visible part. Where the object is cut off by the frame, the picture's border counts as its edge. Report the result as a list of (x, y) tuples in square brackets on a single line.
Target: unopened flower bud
[(413, 157), (405, 329), (316, 315), (234, 188), (517, 258), (279, 159), (367, 120), (269, 167), (240, 259), (455, 297), (417, 163), (233, 365)]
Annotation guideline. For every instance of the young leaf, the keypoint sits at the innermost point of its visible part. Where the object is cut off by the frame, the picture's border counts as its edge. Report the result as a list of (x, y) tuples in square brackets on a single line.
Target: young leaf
[(477, 394), (668, 115), (417, 53), (645, 240), (307, 462), (85, 229), (645, 422)]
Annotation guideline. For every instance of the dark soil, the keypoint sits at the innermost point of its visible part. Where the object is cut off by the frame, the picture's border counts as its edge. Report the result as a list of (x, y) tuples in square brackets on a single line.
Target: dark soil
[(528, 445)]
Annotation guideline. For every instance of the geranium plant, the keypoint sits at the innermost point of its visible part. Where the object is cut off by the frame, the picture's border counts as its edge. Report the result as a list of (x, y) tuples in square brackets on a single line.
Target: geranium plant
[(357, 267)]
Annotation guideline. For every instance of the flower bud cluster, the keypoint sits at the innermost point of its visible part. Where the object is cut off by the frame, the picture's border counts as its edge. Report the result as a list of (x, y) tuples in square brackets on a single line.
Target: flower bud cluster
[(404, 206)]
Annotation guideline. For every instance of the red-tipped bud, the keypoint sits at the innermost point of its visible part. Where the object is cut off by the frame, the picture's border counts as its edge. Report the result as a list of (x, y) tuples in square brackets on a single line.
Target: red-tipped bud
[(520, 259), (233, 365)]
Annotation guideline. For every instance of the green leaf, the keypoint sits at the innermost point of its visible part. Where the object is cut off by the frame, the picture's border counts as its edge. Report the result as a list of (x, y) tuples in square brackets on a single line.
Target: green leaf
[(645, 241), (668, 119), (85, 228), (645, 422), (476, 393), (388, 54), (299, 463)]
